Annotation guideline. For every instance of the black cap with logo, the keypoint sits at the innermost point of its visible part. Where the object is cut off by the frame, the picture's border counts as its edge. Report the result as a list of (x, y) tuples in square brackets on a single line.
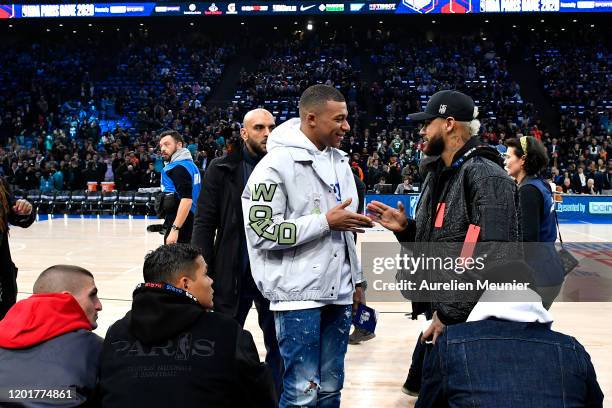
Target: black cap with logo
[(446, 104)]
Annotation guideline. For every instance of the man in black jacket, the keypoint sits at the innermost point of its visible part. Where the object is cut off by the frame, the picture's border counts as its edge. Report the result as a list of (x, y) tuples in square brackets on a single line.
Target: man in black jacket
[(465, 184), (171, 350), (219, 233)]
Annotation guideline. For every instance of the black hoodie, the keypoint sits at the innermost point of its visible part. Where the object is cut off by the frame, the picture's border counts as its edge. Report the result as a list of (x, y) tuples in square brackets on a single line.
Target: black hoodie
[(170, 351)]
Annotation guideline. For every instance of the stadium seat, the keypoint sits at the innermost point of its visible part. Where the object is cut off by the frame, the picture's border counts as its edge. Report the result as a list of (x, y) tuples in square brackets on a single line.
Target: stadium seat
[(61, 201), (34, 198), (46, 201), (142, 202), (92, 204), (125, 202), (108, 201), (78, 200)]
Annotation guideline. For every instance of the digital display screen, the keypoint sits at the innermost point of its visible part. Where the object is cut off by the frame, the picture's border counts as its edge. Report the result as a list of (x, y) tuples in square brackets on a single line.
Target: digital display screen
[(299, 8)]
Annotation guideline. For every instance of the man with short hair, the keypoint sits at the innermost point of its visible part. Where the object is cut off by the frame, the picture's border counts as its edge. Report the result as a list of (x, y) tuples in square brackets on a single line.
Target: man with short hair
[(579, 181), (299, 213), (170, 348), (46, 340), (219, 233), (180, 188)]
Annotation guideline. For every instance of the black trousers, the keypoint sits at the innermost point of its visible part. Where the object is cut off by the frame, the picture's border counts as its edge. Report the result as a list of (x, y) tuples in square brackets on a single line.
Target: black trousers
[(249, 295), (8, 286), (184, 236)]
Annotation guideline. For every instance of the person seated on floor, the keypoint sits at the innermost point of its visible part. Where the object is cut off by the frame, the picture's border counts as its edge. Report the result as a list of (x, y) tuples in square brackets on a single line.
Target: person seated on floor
[(506, 355), (46, 340), (172, 350)]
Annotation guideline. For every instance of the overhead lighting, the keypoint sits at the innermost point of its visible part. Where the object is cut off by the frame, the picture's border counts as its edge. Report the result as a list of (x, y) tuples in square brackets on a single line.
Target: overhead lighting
[(486, 21), (191, 24), (276, 28), (48, 29), (484, 38), (533, 29), (563, 29), (574, 20), (89, 24), (592, 25), (242, 23), (433, 21), (309, 26)]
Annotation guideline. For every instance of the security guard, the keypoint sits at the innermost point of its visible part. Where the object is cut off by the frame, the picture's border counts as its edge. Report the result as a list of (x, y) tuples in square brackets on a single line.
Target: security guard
[(180, 188)]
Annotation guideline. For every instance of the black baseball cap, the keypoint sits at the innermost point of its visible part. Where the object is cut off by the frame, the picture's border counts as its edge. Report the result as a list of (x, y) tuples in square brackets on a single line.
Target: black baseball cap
[(445, 104)]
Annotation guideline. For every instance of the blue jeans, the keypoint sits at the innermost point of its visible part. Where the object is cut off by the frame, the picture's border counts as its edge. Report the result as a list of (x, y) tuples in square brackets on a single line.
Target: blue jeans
[(313, 344), (495, 363)]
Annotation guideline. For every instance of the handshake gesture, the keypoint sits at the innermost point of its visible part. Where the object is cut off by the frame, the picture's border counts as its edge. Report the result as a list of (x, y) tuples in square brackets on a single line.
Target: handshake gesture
[(389, 217), (340, 219)]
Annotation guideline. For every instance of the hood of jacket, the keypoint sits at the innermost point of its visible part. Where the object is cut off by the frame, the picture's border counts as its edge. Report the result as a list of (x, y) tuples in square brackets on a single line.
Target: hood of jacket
[(161, 311), (289, 134), (181, 154), (39, 318)]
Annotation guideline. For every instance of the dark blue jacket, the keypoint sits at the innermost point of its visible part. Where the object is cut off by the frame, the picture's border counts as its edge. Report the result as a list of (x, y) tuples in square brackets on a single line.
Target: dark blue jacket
[(496, 363)]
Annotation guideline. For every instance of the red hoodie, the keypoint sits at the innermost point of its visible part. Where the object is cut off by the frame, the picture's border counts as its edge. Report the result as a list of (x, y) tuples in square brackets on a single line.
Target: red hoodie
[(39, 318)]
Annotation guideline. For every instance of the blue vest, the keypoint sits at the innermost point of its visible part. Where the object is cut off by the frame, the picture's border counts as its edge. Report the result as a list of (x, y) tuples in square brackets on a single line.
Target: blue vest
[(167, 185), (548, 226), (543, 257)]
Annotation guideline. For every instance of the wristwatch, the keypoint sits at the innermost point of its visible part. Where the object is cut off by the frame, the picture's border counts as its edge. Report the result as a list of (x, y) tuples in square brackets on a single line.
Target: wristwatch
[(175, 227)]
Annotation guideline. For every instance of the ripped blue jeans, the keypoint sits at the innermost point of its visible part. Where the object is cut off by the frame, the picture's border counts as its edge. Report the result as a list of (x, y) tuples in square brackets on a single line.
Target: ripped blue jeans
[(313, 344)]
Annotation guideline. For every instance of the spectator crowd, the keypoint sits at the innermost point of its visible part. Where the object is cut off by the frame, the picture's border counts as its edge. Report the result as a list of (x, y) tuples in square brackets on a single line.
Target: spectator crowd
[(65, 121)]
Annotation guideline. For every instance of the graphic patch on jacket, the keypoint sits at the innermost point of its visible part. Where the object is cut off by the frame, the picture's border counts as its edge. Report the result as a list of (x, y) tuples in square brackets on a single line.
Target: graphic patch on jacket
[(260, 217), (336, 189)]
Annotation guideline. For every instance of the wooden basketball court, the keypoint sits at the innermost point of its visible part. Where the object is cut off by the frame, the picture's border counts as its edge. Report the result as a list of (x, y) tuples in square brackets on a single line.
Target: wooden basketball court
[(113, 249)]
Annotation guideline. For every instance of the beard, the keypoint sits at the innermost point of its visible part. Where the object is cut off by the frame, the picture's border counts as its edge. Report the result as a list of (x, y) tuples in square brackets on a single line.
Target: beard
[(257, 148), (435, 146)]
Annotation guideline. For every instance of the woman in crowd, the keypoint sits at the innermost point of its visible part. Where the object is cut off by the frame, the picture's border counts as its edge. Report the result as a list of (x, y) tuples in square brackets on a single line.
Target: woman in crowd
[(525, 158)]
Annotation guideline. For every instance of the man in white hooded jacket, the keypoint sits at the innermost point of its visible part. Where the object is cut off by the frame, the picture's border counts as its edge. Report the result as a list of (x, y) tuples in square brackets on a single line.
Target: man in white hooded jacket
[(299, 211)]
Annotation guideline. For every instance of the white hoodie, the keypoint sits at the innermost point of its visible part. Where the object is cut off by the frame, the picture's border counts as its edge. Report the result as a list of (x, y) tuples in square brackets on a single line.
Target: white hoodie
[(296, 261)]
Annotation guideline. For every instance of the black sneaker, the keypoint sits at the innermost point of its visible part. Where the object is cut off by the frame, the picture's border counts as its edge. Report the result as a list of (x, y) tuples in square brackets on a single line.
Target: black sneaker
[(412, 386), (156, 228), (358, 335)]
